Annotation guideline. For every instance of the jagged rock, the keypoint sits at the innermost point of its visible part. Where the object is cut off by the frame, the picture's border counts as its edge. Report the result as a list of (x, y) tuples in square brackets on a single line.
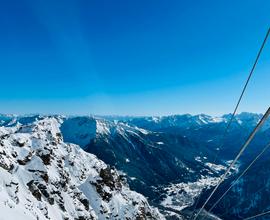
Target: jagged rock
[(46, 158), (34, 190), (54, 180), (109, 179), (5, 163), (45, 177), (25, 160)]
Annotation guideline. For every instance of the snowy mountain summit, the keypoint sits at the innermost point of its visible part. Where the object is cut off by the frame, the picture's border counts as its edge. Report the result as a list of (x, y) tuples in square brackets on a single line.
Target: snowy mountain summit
[(42, 177)]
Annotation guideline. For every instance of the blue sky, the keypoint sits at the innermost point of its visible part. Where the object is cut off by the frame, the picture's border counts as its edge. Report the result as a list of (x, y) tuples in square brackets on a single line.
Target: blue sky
[(143, 57)]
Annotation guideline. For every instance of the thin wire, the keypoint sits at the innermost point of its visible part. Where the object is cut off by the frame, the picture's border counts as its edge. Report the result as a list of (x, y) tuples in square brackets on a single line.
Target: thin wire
[(200, 195), (258, 215), (238, 102), (243, 91), (196, 204), (235, 109), (242, 174), (243, 148), (228, 210)]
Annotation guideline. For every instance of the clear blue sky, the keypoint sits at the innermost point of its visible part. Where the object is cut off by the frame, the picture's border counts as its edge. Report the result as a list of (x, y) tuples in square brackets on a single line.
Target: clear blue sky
[(137, 57)]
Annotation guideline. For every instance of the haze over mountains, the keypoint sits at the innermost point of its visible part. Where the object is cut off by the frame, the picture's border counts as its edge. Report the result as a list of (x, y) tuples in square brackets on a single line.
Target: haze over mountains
[(171, 160)]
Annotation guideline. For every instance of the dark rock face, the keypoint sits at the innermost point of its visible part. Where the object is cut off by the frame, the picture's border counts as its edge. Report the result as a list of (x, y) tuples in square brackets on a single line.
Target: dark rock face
[(108, 178), (5, 165), (34, 190), (46, 158)]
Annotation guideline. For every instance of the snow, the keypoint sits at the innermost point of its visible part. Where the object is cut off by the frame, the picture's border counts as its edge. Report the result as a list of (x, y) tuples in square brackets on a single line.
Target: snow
[(217, 119), (54, 179), (102, 127), (182, 195), (216, 167), (143, 131), (198, 159)]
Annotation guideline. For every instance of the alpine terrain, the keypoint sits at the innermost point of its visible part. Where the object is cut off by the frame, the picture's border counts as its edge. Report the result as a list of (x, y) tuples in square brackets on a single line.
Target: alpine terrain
[(171, 163), (42, 177)]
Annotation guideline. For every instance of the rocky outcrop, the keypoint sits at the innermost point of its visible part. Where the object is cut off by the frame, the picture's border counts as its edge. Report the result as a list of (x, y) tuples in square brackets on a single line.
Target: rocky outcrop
[(42, 177)]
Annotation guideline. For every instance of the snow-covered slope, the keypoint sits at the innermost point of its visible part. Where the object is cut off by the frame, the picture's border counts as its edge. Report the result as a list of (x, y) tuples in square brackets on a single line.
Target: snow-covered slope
[(81, 130), (41, 177)]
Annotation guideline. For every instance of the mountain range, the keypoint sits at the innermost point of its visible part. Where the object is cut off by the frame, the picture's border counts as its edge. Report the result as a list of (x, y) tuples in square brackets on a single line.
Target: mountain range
[(174, 160)]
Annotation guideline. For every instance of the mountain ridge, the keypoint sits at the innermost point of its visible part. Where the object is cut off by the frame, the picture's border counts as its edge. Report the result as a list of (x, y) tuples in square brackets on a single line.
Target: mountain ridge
[(42, 177), (164, 158)]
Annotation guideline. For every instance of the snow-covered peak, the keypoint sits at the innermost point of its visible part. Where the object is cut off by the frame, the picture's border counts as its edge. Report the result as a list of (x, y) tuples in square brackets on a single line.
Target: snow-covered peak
[(81, 130), (42, 177)]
